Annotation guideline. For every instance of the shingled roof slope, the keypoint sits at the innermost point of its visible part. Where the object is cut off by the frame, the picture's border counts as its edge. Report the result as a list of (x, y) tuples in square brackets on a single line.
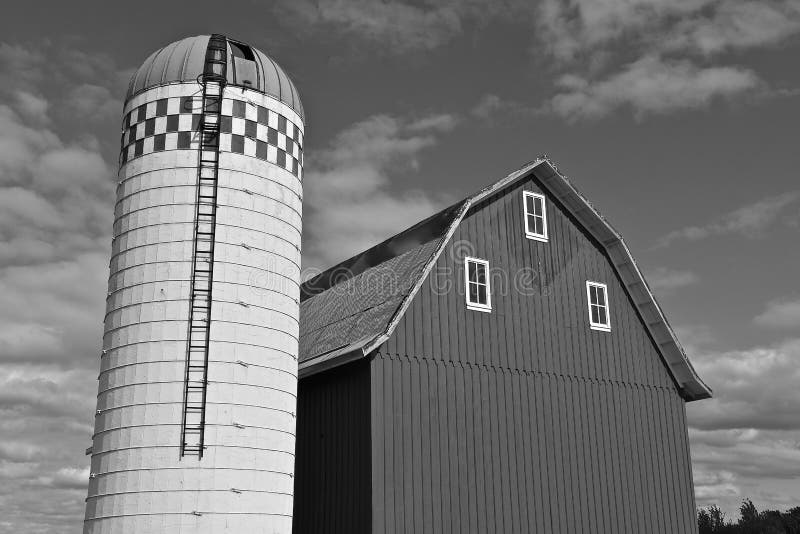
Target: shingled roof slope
[(352, 308), (351, 304)]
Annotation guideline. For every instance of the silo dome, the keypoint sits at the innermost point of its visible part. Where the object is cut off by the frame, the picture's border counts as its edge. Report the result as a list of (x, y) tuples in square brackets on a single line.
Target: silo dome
[(182, 61)]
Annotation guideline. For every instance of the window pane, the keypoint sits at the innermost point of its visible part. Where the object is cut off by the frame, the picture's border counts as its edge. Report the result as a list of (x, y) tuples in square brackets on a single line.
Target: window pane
[(537, 202), (538, 225), (592, 294), (601, 296), (471, 270), (482, 297), (602, 315), (481, 271), (529, 206), (473, 293), (595, 314)]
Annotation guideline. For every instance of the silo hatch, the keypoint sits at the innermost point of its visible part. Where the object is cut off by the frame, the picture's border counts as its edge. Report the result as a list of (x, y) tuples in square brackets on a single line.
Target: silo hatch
[(244, 64)]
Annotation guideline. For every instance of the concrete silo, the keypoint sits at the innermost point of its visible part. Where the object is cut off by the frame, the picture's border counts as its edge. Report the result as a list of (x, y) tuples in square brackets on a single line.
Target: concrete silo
[(195, 421)]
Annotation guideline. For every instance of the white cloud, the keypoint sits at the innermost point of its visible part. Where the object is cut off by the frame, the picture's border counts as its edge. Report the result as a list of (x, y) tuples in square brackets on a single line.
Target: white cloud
[(45, 425), (491, 106), (746, 438), (396, 26), (32, 106), (673, 43), (56, 207), (751, 220), (780, 314), (664, 281), (576, 28), (487, 106), (572, 28), (755, 388), (650, 85), (95, 102), (392, 25), (732, 465), (350, 204), (736, 25)]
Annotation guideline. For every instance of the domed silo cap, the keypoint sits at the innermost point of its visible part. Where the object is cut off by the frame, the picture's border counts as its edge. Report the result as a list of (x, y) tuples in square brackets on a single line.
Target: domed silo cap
[(183, 61)]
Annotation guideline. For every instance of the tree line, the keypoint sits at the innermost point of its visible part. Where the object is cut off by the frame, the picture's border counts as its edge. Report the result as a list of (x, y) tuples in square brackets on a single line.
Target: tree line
[(711, 520)]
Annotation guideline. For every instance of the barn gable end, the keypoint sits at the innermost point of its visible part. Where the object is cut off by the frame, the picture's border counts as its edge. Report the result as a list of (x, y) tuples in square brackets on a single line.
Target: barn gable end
[(539, 318)]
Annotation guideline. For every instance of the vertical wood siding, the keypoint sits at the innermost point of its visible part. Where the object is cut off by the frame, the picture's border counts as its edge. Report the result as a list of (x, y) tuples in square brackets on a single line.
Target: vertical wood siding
[(524, 419), (332, 466)]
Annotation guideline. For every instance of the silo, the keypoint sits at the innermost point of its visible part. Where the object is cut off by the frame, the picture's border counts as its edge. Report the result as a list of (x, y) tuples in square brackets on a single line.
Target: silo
[(195, 421)]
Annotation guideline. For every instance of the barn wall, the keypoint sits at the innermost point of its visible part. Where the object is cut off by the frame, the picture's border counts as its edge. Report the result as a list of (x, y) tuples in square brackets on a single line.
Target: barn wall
[(463, 448), (332, 482), (524, 419)]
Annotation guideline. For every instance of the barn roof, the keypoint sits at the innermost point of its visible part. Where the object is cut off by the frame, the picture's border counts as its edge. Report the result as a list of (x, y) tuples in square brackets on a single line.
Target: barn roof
[(349, 310)]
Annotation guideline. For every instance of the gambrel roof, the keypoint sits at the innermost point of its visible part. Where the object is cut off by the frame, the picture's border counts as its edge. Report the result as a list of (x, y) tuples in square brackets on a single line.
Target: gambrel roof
[(352, 308)]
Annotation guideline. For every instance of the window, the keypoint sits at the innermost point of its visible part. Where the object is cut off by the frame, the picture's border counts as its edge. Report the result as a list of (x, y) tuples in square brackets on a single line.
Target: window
[(597, 295), (535, 216), (476, 275)]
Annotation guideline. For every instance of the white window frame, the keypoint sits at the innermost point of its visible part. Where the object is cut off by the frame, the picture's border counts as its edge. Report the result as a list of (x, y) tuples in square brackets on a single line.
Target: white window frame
[(603, 327), (529, 233), (477, 306)]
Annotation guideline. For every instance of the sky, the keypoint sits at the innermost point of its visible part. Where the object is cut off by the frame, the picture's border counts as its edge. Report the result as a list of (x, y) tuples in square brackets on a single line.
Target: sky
[(676, 118)]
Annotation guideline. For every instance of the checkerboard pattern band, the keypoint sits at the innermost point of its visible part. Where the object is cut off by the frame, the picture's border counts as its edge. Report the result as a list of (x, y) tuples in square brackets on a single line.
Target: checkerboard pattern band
[(245, 128)]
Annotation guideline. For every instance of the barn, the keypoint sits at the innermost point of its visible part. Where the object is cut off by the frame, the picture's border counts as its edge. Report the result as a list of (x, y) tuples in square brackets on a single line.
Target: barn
[(499, 367)]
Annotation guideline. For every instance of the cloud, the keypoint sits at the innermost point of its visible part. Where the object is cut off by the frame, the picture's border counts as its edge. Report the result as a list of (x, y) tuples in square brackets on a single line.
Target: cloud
[(45, 425), (392, 25), (664, 281), (751, 221), (780, 314), (733, 464), (397, 27), (650, 85), (656, 56), (747, 437), (490, 106), (578, 28), (567, 30), (95, 102), (755, 388), (57, 184), (32, 106), (736, 25), (350, 204), (443, 122)]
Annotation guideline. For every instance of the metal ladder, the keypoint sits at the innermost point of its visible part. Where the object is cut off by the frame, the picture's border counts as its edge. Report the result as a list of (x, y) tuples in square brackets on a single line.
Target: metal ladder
[(213, 81)]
